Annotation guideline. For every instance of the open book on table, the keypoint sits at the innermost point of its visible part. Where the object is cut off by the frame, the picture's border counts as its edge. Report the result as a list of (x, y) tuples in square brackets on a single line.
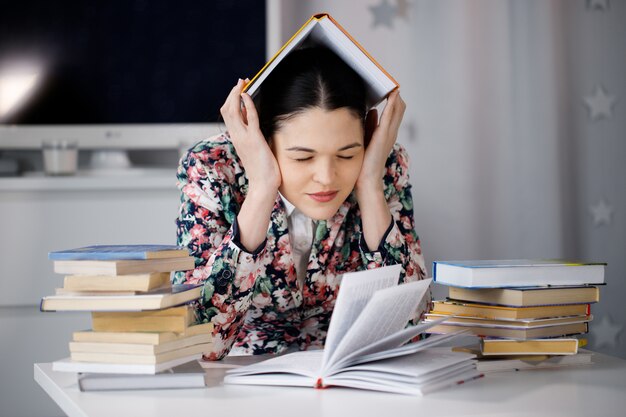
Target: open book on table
[(366, 346)]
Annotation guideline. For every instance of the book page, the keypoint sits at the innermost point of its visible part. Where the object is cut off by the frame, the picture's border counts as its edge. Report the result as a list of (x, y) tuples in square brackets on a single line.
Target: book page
[(404, 350), (356, 289), (306, 363), (387, 312)]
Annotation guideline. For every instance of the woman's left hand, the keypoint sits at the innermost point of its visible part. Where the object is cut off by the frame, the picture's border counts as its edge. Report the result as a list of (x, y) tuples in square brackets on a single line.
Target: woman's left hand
[(382, 137)]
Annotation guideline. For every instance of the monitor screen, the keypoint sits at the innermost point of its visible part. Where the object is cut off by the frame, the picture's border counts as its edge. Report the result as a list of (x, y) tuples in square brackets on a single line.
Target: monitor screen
[(125, 62)]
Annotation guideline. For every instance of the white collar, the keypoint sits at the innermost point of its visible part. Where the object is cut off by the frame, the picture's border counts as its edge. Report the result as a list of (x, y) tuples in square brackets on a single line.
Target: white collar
[(288, 206)]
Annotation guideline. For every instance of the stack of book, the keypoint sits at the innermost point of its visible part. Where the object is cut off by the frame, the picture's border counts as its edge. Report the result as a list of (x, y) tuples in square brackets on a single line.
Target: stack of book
[(141, 324), (528, 314)]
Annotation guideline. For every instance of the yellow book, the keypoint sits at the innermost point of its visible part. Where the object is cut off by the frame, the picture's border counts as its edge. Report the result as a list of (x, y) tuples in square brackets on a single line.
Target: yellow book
[(175, 319), (169, 297), (138, 282), (490, 347), (322, 29), (152, 338), (139, 348), (124, 267), (458, 308), (122, 358)]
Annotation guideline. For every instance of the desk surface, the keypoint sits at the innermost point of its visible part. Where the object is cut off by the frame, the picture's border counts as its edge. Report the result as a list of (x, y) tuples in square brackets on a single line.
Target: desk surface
[(590, 390)]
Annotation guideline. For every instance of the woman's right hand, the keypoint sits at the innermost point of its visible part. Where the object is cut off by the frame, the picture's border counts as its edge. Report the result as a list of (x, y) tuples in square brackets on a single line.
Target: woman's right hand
[(253, 150)]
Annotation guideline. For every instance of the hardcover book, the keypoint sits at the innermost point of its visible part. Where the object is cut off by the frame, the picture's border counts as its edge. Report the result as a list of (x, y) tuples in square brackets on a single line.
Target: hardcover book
[(457, 308), (491, 347), (155, 300), (139, 282), (322, 29), (487, 365), (124, 267), (119, 252), (174, 319), (517, 273), (526, 297), (514, 333), (189, 375), (148, 338)]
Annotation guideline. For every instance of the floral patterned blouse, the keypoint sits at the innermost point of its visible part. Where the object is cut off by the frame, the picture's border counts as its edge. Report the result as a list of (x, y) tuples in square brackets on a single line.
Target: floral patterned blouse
[(253, 299)]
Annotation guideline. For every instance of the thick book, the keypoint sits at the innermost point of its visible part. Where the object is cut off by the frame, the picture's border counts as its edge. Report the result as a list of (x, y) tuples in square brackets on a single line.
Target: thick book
[(517, 273), (139, 348), (189, 375), (508, 323), (69, 365), (147, 338), (140, 358), (513, 333), (488, 365), (366, 345), (173, 319), (501, 347), (138, 282), (322, 29), (527, 297), (457, 308), (169, 297), (119, 252), (124, 267)]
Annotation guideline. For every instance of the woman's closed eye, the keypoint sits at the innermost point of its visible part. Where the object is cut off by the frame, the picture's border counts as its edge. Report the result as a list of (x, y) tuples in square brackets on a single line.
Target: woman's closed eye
[(308, 158)]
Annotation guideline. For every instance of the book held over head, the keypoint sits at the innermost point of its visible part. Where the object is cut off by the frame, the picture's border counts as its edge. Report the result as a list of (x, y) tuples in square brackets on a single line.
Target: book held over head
[(323, 30)]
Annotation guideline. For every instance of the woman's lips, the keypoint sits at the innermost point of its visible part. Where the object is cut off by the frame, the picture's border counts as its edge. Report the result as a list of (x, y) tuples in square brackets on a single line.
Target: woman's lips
[(323, 197)]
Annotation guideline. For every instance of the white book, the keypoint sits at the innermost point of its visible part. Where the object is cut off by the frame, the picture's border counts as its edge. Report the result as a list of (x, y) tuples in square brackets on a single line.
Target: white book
[(487, 365), (189, 375), (69, 365), (517, 273), (366, 346)]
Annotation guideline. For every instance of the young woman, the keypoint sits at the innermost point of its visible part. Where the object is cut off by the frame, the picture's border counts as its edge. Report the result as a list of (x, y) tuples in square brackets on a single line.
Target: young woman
[(303, 187)]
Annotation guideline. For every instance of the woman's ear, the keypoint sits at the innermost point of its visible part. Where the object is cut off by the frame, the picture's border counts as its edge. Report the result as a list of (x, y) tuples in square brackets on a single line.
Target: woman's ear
[(371, 123)]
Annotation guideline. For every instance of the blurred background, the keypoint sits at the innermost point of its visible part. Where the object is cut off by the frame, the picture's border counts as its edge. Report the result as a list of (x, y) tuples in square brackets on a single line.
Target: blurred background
[(515, 127)]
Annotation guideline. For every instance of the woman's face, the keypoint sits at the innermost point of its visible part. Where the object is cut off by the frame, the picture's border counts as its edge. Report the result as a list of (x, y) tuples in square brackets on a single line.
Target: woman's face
[(320, 154)]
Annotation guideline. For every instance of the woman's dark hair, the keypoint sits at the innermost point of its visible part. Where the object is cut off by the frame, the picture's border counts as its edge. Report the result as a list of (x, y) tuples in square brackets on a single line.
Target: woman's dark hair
[(308, 78)]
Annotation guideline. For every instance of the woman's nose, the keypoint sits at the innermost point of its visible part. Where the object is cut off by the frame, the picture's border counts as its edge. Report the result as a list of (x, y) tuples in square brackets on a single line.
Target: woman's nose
[(324, 172)]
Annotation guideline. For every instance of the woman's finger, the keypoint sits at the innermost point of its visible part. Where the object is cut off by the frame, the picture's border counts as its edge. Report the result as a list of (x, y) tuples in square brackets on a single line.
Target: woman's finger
[(389, 110), (253, 117), (231, 110)]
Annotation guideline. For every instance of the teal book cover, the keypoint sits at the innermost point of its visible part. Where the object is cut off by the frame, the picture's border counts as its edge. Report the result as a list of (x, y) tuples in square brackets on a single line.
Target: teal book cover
[(118, 252)]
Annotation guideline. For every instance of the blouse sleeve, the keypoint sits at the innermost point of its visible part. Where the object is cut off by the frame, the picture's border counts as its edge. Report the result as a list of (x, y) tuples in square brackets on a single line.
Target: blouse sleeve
[(208, 178), (400, 244)]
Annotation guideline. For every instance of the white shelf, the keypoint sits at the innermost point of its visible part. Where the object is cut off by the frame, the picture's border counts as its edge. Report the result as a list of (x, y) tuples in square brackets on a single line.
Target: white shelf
[(134, 178)]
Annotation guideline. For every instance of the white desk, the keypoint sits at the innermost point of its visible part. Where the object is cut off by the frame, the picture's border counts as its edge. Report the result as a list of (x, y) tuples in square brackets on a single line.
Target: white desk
[(592, 390)]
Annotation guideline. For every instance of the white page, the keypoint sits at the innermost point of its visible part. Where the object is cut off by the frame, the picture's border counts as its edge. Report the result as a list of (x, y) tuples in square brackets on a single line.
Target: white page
[(387, 312), (307, 363), (356, 289), (421, 365), (415, 374), (408, 348)]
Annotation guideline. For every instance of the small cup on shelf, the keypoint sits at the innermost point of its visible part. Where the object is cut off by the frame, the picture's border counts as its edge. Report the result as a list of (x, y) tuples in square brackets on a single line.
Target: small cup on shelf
[(60, 157)]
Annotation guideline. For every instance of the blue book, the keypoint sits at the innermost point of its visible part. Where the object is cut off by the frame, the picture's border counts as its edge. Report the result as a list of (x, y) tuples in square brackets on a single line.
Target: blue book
[(119, 252), (517, 273)]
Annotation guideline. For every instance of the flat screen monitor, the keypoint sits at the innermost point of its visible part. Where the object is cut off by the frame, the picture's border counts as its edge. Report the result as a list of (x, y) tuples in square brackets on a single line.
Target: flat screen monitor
[(122, 74)]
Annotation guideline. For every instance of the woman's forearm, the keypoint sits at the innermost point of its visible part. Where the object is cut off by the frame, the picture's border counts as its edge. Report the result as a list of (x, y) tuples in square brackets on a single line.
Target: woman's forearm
[(375, 214), (254, 216)]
